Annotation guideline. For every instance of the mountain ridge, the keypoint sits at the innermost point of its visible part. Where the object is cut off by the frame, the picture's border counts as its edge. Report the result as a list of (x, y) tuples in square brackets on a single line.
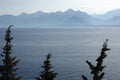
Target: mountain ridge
[(54, 19)]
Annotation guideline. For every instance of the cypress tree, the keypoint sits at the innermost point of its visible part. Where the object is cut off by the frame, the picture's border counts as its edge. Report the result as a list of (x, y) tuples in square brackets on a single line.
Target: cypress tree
[(97, 71), (47, 73), (8, 68)]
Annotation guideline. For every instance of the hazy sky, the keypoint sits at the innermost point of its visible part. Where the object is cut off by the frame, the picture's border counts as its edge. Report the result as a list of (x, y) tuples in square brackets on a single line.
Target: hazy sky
[(29, 6)]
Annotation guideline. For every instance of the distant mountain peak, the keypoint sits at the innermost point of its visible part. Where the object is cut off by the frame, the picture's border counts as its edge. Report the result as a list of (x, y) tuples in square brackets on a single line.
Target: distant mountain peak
[(70, 10), (38, 13), (114, 11), (58, 12), (23, 14)]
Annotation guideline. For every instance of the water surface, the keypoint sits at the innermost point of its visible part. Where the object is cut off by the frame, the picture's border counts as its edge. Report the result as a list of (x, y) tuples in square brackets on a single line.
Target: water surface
[(70, 47)]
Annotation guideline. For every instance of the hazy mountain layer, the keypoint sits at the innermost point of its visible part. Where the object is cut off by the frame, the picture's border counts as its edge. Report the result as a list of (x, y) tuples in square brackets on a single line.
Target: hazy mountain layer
[(69, 18)]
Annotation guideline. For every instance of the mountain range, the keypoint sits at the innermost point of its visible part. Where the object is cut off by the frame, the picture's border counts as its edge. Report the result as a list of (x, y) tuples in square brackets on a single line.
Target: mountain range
[(69, 18)]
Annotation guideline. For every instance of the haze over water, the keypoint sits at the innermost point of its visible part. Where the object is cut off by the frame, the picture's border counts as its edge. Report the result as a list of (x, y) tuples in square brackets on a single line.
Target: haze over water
[(70, 48)]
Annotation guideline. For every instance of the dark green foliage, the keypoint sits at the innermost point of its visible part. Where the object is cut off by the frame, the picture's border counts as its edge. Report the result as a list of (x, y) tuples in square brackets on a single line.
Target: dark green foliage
[(8, 68), (84, 78), (97, 70), (47, 73)]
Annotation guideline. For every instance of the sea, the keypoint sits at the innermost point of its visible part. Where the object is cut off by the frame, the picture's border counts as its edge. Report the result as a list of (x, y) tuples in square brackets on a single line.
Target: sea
[(70, 48)]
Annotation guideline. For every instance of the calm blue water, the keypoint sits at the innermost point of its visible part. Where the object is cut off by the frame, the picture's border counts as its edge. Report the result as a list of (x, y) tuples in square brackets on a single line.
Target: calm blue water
[(69, 47)]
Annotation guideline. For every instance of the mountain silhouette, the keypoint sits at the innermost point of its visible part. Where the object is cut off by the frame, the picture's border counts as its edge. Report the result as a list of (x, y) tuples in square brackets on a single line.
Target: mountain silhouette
[(57, 19)]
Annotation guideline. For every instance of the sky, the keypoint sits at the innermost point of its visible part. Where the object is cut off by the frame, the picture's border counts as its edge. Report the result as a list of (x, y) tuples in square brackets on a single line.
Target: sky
[(17, 7)]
